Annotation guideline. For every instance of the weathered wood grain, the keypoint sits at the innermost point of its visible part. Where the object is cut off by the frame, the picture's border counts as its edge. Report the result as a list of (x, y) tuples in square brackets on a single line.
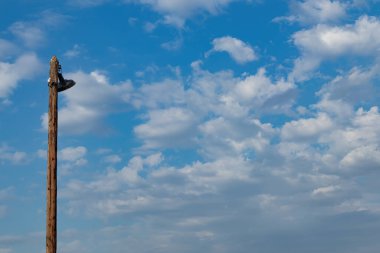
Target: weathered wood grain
[(51, 201)]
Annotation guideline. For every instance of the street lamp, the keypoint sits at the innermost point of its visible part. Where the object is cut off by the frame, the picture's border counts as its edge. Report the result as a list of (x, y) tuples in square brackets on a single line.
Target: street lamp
[(56, 84), (63, 84)]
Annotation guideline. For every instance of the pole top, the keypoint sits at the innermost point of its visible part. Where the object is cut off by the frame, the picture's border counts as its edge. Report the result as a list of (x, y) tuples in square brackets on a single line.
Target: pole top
[(53, 73), (54, 59)]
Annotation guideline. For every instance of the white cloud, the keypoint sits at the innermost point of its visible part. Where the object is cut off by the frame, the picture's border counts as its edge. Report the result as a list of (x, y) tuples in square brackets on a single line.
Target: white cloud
[(306, 128), (259, 91), (183, 116), (93, 98), (338, 109), (24, 68), (6, 48), (5, 250), (169, 127), (232, 97), (161, 94), (315, 12), (197, 200), (128, 176), (361, 130), (325, 190), (72, 154), (30, 34), (268, 182), (332, 141), (355, 86), (154, 159), (88, 102), (237, 49), (33, 32), (325, 42), (102, 151), (71, 247), (42, 153), (70, 158), (232, 138), (112, 159), (9, 154), (173, 45), (194, 180), (75, 51), (8, 239), (360, 38), (176, 12), (362, 159)]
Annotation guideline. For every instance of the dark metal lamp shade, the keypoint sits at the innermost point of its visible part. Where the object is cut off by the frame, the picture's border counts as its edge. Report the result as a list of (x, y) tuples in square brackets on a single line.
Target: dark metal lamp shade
[(64, 84)]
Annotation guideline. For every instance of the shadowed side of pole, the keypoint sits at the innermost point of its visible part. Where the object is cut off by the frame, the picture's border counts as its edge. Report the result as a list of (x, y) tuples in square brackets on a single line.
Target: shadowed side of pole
[(51, 201)]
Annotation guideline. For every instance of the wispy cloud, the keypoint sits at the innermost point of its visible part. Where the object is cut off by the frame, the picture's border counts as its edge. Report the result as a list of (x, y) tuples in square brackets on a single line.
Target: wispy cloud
[(177, 12), (33, 32), (75, 51), (8, 154)]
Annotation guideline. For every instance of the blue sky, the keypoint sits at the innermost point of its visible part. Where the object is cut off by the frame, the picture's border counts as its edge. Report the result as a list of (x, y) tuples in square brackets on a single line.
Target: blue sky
[(195, 126)]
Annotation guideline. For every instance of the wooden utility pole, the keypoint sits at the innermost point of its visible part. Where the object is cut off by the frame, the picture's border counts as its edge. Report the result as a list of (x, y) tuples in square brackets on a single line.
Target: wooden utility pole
[(51, 197)]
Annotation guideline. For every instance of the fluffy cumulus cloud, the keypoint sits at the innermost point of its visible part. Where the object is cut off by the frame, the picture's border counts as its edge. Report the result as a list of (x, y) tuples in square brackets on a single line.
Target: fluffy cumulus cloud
[(24, 67), (326, 42), (88, 102), (182, 117), (281, 182), (337, 144), (237, 49), (72, 154), (259, 91), (357, 85), (363, 157), (306, 128), (69, 158), (315, 12)]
